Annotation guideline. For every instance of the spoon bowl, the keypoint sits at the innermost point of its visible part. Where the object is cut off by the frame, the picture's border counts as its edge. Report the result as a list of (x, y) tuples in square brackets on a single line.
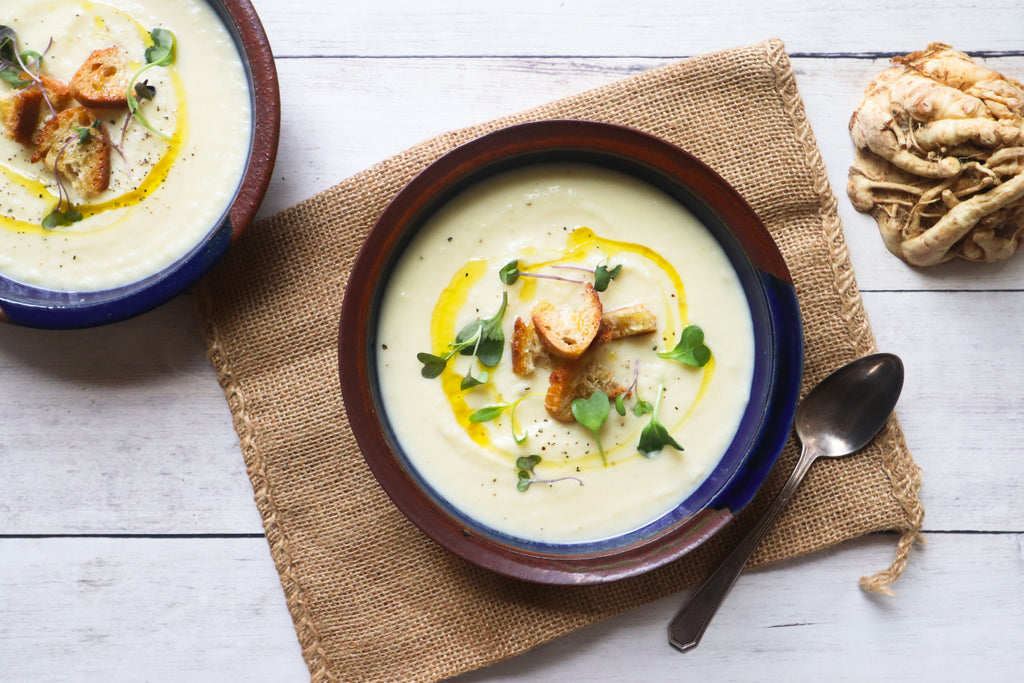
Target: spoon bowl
[(845, 411), (839, 416)]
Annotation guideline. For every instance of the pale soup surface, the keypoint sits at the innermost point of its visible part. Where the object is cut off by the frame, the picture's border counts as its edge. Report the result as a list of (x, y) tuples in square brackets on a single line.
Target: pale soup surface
[(579, 216), (165, 195)]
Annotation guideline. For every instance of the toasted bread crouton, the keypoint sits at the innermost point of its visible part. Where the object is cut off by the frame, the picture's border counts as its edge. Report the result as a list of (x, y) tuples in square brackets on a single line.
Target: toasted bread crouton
[(57, 92), (19, 113), (86, 165), (568, 331), (102, 81), (528, 352), (578, 378), (628, 321), (20, 109)]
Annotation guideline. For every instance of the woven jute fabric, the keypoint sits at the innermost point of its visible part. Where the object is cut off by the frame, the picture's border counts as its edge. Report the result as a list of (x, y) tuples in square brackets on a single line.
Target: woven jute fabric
[(372, 597)]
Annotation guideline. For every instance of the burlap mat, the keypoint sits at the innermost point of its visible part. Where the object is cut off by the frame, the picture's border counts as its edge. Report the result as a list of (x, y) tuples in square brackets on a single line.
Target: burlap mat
[(374, 599)]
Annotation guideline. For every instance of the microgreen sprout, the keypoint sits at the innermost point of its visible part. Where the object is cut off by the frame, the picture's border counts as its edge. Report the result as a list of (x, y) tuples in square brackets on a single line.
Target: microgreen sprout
[(12, 64), (592, 413), (690, 349), (62, 216), (488, 413), (655, 436), (160, 53), (491, 412), (21, 70), (469, 381), (510, 273), (640, 407), (481, 338), (603, 276), (525, 475)]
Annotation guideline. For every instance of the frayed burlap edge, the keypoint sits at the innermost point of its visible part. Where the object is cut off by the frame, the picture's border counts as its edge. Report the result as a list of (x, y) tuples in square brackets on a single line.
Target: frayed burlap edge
[(906, 482)]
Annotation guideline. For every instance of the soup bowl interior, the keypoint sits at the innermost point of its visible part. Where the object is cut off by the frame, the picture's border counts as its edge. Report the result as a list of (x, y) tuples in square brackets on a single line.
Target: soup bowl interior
[(767, 287), (35, 306)]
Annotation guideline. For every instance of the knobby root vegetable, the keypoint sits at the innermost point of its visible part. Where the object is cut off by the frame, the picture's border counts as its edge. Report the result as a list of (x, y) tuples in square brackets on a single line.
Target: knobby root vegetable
[(940, 158)]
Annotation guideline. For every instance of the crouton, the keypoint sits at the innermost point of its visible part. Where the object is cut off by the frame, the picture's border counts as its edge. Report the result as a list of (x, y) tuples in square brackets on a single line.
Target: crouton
[(628, 321), (57, 92), (578, 378), (19, 114), (20, 109), (102, 81), (567, 331), (85, 164), (528, 352)]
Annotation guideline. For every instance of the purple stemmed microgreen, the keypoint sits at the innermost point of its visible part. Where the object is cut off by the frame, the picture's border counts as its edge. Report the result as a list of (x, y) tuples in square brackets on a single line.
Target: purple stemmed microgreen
[(526, 476), (61, 215), (14, 65), (602, 275), (640, 406)]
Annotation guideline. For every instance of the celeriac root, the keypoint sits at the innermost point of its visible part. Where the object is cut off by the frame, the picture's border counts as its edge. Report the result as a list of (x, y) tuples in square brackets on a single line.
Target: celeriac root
[(940, 158)]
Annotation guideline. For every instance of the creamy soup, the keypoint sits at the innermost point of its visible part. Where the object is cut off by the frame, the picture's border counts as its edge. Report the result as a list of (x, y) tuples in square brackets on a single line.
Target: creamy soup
[(567, 220), (167, 189)]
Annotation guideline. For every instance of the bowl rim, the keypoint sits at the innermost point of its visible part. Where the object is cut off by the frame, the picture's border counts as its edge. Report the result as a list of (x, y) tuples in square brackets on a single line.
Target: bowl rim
[(462, 166), (39, 307)]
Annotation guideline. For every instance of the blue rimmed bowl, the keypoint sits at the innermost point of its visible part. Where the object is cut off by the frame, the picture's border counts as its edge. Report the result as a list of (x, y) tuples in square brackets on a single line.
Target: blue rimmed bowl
[(778, 362), (32, 306)]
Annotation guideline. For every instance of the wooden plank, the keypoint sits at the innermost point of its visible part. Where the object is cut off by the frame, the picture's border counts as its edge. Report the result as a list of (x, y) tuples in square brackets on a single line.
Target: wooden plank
[(662, 28), (144, 610), (807, 620), (88, 610), (961, 400), (119, 429)]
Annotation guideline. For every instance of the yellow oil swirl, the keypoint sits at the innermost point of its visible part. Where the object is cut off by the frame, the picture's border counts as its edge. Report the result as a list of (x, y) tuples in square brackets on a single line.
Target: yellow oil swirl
[(154, 178), (442, 332), (580, 243), (158, 173)]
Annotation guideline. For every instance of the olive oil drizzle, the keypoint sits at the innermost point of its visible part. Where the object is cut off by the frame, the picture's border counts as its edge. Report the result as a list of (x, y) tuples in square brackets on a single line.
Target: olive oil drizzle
[(579, 244)]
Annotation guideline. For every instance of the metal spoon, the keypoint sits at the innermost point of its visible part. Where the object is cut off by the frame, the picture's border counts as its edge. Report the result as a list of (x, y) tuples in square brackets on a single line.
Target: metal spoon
[(839, 416)]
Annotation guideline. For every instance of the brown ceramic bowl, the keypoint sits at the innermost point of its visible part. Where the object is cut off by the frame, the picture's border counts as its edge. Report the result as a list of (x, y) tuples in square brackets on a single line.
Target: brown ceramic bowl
[(37, 307), (778, 352)]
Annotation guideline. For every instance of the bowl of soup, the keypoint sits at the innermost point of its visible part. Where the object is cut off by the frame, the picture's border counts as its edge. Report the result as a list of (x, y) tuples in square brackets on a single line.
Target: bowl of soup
[(570, 352), (137, 141)]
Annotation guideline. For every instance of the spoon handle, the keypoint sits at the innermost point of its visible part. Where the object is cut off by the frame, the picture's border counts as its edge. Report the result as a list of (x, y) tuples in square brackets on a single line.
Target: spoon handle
[(689, 624)]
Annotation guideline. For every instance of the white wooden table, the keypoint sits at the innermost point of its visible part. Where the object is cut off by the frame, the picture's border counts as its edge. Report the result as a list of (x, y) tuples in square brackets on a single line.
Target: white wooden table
[(130, 546)]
